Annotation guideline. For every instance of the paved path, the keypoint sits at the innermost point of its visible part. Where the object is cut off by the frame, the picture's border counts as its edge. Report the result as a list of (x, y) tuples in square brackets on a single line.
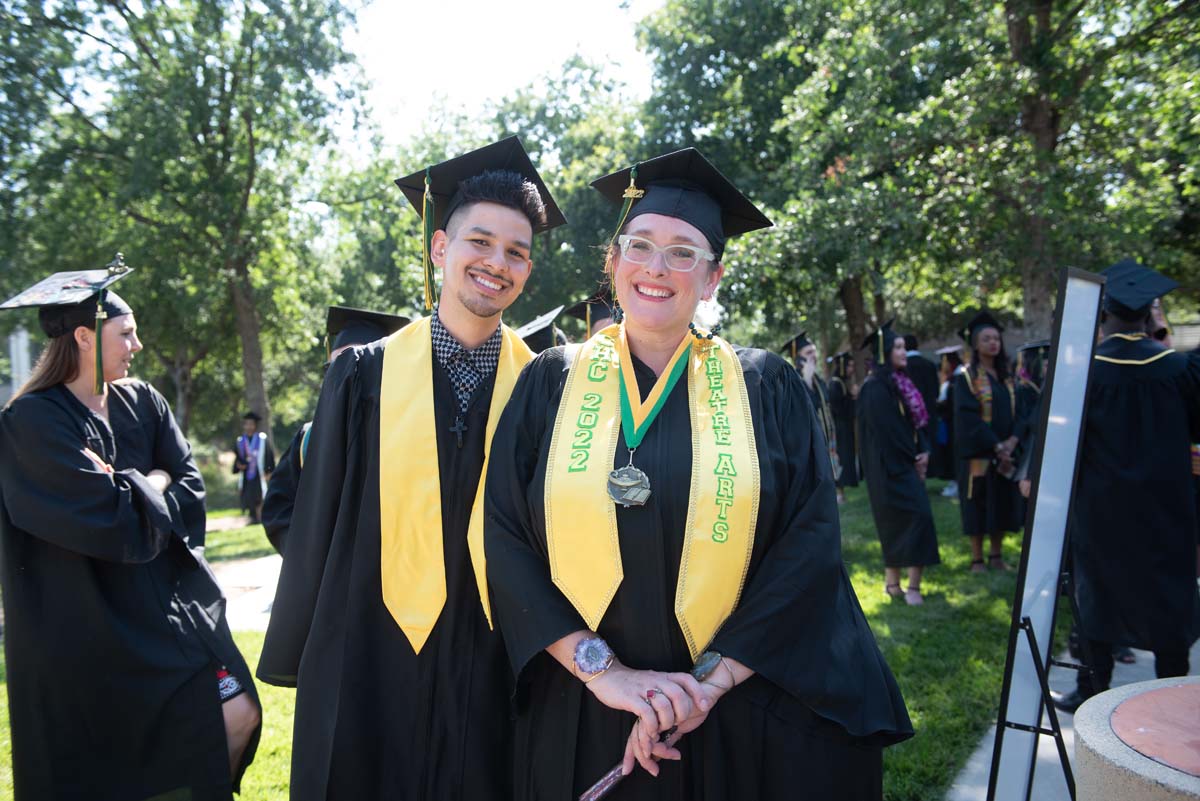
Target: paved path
[(249, 586), (1048, 781)]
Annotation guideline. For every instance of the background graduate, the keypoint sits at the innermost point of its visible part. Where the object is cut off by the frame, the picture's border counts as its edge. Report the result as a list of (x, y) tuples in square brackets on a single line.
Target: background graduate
[(123, 679), (344, 327), (729, 545), (894, 424), (803, 352), (253, 462), (1133, 519), (381, 619), (843, 397), (985, 441)]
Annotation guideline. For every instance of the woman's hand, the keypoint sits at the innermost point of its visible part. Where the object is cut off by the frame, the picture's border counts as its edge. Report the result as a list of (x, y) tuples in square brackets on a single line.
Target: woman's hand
[(96, 460), (646, 750), (922, 465)]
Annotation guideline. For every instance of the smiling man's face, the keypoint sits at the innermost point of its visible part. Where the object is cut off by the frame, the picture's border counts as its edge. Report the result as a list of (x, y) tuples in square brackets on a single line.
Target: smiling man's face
[(484, 257)]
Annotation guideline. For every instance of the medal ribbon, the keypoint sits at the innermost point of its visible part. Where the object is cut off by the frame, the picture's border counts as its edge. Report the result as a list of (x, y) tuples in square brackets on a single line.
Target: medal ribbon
[(638, 415), (581, 520), (412, 559)]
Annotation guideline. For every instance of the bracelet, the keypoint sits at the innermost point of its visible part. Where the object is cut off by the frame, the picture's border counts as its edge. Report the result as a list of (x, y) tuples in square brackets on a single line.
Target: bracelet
[(595, 675), (732, 678)]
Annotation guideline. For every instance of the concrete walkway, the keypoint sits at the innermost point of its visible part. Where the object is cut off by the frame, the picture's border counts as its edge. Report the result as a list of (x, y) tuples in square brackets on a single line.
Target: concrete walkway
[(1048, 781), (249, 586)]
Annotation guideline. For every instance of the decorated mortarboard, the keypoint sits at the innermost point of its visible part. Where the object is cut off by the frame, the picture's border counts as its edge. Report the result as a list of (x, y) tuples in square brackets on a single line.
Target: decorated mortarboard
[(345, 325), (796, 344), (684, 185), (597, 307), (880, 341), (435, 192), (539, 334), (68, 300), (982, 319), (1130, 288), (946, 351)]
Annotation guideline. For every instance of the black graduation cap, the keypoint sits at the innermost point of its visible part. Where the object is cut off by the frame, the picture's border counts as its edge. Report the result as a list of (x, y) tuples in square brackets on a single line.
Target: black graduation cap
[(796, 344), (982, 319), (252, 415), (946, 351), (685, 185), (1130, 288), (880, 341), (345, 325), (540, 334), (505, 155), (1038, 345), (68, 300), (435, 192), (596, 307)]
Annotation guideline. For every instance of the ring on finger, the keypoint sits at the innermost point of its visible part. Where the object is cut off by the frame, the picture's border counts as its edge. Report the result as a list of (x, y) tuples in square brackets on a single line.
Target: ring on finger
[(653, 692)]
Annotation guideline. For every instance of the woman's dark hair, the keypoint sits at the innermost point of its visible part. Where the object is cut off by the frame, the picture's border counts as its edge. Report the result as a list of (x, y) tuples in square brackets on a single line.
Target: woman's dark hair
[(58, 364), (1000, 362), (504, 188)]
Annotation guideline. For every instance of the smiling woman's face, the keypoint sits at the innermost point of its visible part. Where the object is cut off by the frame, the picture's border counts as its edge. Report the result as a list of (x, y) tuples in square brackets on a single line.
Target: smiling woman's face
[(654, 297), (119, 340)]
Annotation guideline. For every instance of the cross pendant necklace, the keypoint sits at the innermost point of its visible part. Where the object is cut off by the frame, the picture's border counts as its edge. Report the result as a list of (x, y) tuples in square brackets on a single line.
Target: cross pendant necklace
[(458, 428)]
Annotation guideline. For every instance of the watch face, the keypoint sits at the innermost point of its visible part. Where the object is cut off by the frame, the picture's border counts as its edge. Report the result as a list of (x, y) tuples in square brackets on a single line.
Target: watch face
[(592, 655)]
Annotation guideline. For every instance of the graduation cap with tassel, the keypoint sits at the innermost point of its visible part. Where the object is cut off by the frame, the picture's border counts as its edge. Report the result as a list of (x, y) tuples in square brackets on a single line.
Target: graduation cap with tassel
[(68, 300)]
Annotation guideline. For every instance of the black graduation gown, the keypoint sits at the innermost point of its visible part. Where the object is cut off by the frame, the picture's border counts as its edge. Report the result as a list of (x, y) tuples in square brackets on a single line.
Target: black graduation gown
[(373, 719), (281, 492), (841, 406), (114, 626), (899, 503), (251, 494), (809, 724), (1133, 520), (942, 463), (973, 438)]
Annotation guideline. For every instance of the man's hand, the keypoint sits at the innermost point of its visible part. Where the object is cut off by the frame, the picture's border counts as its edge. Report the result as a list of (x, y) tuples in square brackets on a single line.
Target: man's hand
[(922, 465), (159, 479)]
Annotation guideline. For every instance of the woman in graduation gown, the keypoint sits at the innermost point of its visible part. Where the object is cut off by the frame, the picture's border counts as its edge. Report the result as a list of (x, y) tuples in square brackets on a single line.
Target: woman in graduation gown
[(842, 401), (894, 424), (985, 440), (124, 682), (605, 606)]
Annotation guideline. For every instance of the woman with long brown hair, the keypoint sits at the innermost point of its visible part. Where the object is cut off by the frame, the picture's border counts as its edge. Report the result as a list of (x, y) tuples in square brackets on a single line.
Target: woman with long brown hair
[(123, 678)]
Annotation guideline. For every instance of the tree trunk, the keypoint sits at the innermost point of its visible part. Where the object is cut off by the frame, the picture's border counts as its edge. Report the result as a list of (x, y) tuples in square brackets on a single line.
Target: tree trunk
[(249, 328), (880, 309), (851, 294), (181, 376)]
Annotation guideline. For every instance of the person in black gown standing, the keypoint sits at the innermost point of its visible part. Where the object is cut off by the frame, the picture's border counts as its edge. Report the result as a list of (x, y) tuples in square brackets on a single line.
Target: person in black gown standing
[(843, 396), (1133, 520), (381, 618), (605, 605), (124, 683), (895, 447), (985, 440)]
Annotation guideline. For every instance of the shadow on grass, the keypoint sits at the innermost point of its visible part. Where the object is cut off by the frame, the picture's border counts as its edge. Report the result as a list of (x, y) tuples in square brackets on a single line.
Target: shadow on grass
[(947, 655)]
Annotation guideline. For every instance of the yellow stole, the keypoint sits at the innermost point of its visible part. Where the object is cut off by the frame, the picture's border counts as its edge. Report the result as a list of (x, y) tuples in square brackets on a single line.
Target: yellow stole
[(581, 519), (412, 563)]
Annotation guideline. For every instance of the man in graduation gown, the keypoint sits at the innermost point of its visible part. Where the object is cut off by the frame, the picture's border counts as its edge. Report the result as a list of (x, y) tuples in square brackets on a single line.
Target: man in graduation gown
[(344, 328), (253, 462), (379, 621), (1133, 520), (843, 399)]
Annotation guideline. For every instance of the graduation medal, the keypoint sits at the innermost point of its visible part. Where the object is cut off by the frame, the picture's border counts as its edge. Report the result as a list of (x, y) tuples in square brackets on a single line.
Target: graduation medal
[(597, 411), (628, 485)]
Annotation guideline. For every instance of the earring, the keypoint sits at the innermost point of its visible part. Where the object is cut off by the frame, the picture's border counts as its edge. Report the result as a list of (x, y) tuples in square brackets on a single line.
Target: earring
[(618, 313)]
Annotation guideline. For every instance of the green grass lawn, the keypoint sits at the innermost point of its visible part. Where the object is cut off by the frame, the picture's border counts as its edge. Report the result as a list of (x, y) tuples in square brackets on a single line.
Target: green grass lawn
[(948, 656)]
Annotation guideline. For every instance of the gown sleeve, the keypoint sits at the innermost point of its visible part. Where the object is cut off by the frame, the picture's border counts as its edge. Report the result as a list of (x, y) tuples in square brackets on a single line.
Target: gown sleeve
[(314, 515), (973, 438), (52, 491), (268, 457), (172, 453), (529, 609), (879, 410), (281, 493), (798, 623)]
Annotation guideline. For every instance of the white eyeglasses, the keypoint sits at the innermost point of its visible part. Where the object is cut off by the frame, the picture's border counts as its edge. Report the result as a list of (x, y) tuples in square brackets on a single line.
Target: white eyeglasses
[(680, 258)]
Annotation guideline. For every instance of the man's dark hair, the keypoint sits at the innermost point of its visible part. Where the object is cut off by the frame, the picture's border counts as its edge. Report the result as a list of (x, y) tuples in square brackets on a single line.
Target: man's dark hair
[(504, 188), (910, 342)]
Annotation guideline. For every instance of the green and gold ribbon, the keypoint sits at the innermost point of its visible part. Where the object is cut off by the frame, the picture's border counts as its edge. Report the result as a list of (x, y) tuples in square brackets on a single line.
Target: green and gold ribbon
[(581, 521)]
